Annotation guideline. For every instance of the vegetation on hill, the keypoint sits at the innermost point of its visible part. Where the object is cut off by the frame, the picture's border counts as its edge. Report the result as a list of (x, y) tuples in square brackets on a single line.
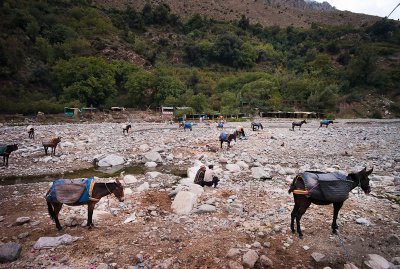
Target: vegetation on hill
[(74, 53)]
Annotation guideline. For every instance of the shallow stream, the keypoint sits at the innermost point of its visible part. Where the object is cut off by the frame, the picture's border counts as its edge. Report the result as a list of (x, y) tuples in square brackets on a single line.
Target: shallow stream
[(91, 172)]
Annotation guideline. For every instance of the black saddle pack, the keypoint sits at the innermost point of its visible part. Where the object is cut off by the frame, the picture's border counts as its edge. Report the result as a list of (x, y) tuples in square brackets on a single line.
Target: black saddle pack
[(333, 187)]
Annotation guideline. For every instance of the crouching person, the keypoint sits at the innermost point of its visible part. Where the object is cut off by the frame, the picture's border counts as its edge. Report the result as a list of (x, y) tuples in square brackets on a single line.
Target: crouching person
[(206, 177)]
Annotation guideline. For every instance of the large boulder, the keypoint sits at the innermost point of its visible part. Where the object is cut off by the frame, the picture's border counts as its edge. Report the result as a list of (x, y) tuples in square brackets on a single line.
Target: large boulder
[(111, 160), (184, 202), (9, 252)]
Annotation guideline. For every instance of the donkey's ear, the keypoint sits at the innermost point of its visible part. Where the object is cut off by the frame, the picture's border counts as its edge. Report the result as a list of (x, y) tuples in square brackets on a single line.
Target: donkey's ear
[(369, 171)]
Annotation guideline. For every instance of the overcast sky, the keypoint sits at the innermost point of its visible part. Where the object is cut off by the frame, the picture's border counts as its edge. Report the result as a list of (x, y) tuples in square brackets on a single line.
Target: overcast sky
[(380, 8)]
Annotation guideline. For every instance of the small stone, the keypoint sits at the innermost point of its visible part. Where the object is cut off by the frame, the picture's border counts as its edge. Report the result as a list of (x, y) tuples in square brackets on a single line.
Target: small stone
[(102, 266), (233, 253), (266, 262), (22, 220), (234, 265), (23, 235), (350, 266), (362, 221), (250, 258), (318, 257), (9, 252), (1, 218)]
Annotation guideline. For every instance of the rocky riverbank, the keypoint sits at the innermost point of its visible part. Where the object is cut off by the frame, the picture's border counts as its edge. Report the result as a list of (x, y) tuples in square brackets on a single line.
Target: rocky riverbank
[(243, 223)]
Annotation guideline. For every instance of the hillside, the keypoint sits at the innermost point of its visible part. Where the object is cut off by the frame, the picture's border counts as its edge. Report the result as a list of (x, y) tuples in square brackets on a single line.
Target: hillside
[(283, 13), (98, 53)]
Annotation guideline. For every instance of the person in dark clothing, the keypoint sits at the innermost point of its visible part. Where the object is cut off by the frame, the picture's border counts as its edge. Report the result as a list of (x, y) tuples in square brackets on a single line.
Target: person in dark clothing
[(199, 178)]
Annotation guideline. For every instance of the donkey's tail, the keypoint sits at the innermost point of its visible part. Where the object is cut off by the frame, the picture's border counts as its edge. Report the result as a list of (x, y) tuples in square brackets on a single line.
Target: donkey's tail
[(51, 211)]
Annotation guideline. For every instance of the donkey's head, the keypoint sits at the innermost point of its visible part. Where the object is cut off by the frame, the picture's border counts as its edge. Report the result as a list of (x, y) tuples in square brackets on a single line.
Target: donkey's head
[(119, 190), (362, 179)]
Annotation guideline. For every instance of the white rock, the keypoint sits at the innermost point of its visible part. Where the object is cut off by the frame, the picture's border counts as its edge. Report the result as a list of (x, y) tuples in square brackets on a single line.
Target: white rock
[(150, 164), (67, 144), (144, 147), (184, 202), (350, 266), (206, 209), (242, 165), (101, 214), (259, 173), (375, 261), (111, 160), (362, 221), (153, 174), (131, 218), (153, 156), (233, 167), (51, 242), (128, 191), (129, 179), (22, 220), (145, 186)]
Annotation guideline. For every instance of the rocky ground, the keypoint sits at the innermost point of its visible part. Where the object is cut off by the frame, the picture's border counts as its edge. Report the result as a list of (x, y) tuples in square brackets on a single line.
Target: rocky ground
[(244, 223)]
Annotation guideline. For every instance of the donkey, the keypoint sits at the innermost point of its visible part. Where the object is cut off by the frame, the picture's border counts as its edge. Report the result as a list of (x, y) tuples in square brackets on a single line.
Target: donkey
[(51, 144), (31, 132), (302, 202), (126, 128), (224, 137), (5, 151), (325, 122), (298, 123), (99, 190), (256, 124)]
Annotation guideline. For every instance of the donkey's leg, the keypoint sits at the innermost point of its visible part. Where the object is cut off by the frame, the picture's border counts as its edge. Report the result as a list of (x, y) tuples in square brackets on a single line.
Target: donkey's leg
[(336, 208), (293, 216), (221, 143), (57, 207), (45, 150), (90, 215), (304, 204)]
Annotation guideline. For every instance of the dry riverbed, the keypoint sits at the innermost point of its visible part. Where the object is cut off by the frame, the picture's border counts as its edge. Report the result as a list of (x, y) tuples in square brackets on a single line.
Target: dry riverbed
[(247, 219)]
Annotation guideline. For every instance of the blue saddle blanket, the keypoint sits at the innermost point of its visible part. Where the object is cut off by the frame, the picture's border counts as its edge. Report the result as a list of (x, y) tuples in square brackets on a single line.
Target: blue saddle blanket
[(52, 197), (188, 125), (325, 122), (223, 136)]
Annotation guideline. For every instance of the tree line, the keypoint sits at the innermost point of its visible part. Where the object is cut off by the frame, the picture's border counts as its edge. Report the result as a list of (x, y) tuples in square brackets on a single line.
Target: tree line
[(52, 55)]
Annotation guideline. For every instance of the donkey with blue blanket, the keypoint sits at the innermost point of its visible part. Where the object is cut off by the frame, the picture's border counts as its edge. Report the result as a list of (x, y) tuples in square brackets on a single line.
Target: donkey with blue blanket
[(79, 192), (324, 189)]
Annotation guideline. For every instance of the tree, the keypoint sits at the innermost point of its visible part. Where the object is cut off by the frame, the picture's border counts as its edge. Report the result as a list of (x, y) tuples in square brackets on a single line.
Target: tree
[(87, 79), (258, 92), (227, 49), (167, 86), (247, 56), (141, 87)]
